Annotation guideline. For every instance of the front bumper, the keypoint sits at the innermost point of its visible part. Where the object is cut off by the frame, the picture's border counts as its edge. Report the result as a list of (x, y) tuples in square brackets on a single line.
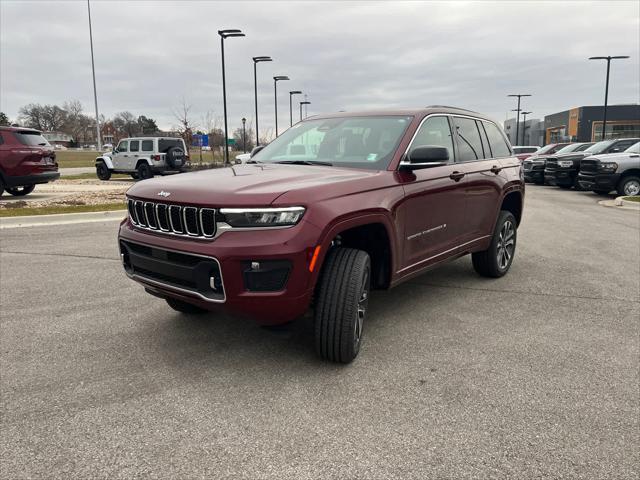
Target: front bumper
[(33, 179), (598, 181), (212, 274), (560, 177), (534, 176)]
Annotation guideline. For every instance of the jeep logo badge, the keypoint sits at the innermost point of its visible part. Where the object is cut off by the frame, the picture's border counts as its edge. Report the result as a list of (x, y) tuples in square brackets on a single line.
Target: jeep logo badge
[(162, 193)]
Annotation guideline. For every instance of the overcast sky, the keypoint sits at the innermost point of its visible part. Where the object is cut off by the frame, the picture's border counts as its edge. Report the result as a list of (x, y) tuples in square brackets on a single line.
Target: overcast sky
[(345, 56)]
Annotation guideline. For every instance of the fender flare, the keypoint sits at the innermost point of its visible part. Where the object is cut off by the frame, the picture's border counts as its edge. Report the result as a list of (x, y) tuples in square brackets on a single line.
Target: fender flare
[(147, 160), (106, 160)]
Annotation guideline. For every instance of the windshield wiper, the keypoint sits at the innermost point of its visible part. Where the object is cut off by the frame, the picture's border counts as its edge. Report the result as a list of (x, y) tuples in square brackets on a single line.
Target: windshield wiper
[(306, 162)]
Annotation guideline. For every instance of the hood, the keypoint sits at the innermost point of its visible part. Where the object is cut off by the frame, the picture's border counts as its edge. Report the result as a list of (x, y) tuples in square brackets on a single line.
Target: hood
[(571, 156), (255, 184), (612, 157)]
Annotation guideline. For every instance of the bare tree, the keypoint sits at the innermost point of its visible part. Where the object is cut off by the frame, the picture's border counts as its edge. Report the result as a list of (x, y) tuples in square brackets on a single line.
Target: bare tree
[(186, 125), (126, 122)]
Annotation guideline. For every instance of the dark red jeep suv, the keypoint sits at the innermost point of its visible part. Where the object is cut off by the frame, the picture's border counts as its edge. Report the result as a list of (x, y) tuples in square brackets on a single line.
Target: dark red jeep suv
[(26, 159), (336, 206)]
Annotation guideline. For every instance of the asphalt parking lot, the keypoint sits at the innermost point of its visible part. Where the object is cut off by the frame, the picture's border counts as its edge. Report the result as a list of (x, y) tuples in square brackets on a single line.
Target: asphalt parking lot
[(535, 375)]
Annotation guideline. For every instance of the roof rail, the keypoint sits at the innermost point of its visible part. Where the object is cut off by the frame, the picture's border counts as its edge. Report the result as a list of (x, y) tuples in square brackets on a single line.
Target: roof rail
[(449, 106)]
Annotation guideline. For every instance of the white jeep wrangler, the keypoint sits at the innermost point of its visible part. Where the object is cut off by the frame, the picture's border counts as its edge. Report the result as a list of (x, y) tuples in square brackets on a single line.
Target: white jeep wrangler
[(144, 157)]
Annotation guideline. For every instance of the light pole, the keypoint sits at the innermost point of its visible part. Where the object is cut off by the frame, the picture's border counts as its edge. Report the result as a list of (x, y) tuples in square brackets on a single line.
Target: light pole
[(291, 94), (519, 95), (276, 79), (303, 103), (606, 88), (93, 71), (256, 60), (244, 135), (226, 34), (524, 125)]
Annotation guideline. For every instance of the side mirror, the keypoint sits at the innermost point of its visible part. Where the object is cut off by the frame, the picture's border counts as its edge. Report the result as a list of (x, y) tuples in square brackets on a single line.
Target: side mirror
[(426, 156), (256, 150)]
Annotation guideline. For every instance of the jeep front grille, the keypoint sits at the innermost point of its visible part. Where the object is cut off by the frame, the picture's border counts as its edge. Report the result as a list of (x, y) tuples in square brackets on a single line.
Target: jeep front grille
[(173, 219)]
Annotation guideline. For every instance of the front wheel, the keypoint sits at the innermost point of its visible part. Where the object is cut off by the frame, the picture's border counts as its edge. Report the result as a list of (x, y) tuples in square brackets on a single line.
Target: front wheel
[(102, 171), (496, 260), (184, 307), (135, 176), (629, 186), (341, 305), (20, 191)]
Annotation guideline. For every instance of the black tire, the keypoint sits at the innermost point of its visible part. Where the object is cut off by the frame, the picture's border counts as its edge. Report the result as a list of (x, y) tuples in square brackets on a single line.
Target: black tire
[(102, 171), (565, 187), (1, 187), (20, 191), (184, 307), (144, 171), (629, 186), (175, 157), (601, 192), (493, 262), (135, 176), (341, 304)]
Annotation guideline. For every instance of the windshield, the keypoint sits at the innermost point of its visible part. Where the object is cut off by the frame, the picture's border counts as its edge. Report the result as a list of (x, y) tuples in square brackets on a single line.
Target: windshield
[(31, 138), (574, 147), (546, 149), (525, 149), (599, 147), (356, 142), (635, 148)]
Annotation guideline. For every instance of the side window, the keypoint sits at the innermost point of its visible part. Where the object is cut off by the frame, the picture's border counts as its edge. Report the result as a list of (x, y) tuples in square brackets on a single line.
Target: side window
[(1, 139), (499, 146), (622, 146), (134, 145), (147, 145), (469, 143), (434, 131), (123, 146), (485, 141)]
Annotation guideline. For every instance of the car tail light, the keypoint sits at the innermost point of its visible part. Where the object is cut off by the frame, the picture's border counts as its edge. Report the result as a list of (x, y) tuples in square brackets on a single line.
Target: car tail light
[(156, 157)]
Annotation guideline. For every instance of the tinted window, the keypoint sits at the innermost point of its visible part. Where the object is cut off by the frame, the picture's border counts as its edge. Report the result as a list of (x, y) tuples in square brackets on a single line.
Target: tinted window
[(123, 146), (134, 145), (147, 145), (499, 145), (31, 138), (1, 139), (434, 131), (165, 144), (599, 147), (584, 146), (622, 145), (635, 148), (357, 142), (469, 143)]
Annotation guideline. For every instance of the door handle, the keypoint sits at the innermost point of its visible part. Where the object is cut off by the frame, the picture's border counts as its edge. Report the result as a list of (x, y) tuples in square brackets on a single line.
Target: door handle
[(496, 169), (125, 155), (457, 176)]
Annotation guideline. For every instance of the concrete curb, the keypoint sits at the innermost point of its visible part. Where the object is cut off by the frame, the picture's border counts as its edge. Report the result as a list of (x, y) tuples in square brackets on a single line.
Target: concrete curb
[(61, 219), (621, 202)]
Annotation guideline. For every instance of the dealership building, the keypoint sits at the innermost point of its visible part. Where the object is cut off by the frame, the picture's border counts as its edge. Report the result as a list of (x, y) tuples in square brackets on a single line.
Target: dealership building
[(580, 124)]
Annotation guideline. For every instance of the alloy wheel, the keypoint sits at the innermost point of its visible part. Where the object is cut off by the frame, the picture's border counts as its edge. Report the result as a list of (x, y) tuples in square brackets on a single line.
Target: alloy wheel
[(506, 244), (632, 188), (363, 301)]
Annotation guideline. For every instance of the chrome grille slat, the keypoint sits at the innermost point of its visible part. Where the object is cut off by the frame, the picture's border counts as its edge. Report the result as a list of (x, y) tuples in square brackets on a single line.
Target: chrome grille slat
[(187, 221)]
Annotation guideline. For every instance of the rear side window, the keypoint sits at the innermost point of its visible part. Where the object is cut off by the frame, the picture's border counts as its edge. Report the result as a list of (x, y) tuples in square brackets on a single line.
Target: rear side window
[(499, 147), (134, 145), (469, 143), (165, 144), (31, 139), (147, 145), (623, 145), (434, 131)]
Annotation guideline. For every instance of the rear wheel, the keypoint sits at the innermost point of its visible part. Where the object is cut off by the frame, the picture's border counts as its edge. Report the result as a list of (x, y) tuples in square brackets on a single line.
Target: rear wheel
[(629, 186), (496, 260), (102, 171), (184, 307), (341, 305), (135, 176), (20, 191), (144, 171)]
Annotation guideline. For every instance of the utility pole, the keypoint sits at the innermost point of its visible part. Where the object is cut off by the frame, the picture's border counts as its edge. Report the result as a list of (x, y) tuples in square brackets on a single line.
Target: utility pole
[(519, 95), (606, 88), (93, 71)]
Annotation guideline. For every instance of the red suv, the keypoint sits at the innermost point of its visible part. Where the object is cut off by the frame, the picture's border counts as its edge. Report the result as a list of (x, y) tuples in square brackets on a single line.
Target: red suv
[(335, 206), (26, 159)]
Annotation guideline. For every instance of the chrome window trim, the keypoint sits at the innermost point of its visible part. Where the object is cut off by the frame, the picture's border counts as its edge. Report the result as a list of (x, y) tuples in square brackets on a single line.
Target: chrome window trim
[(143, 279)]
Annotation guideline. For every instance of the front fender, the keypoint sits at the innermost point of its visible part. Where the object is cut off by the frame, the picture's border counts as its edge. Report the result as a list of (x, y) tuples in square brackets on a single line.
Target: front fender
[(106, 160)]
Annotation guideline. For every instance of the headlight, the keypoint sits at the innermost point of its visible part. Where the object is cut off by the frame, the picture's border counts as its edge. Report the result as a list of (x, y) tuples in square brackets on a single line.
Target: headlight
[(565, 163), (262, 217), (609, 167)]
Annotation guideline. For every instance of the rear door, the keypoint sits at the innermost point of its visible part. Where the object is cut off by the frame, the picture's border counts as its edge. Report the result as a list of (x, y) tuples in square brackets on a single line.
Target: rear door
[(483, 171), (433, 209), (134, 154)]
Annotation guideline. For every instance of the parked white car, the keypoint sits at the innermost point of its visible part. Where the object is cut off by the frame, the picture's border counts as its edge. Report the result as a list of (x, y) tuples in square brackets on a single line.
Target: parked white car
[(144, 157), (242, 158)]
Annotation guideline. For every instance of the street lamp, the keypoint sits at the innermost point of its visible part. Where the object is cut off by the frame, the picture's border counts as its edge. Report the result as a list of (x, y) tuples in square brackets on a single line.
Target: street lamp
[(519, 95), (256, 60), (606, 88), (524, 125), (226, 34), (303, 103), (293, 92), (276, 79), (244, 135), (93, 71)]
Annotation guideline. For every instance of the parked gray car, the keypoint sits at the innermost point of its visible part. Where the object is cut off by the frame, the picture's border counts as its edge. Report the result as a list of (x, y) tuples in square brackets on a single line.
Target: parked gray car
[(613, 171)]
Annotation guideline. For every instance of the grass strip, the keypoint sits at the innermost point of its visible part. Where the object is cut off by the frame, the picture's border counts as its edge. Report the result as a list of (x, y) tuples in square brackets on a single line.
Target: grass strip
[(23, 212)]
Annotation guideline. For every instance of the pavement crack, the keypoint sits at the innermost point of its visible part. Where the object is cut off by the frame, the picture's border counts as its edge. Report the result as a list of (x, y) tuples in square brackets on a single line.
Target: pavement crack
[(61, 255), (524, 292)]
